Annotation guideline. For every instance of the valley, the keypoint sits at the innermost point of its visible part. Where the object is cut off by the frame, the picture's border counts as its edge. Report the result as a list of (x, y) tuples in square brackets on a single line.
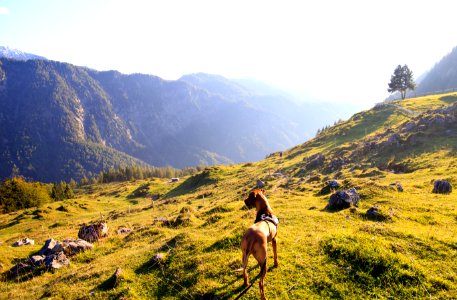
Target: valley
[(195, 224)]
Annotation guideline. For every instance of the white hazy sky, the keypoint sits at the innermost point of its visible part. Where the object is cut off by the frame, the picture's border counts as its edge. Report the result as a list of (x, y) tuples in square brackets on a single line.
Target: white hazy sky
[(330, 50)]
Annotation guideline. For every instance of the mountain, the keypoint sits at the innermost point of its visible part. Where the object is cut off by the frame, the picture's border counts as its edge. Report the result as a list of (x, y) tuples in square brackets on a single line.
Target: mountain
[(7, 52), (302, 118), (442, 77), (60, 121), (394, 244)]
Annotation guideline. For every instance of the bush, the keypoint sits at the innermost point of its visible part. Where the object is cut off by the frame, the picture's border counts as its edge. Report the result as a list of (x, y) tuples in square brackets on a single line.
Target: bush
[(17, 194)]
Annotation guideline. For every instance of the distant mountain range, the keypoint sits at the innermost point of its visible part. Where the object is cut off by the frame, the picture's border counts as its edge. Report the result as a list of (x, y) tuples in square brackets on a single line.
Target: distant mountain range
[(59, 121)]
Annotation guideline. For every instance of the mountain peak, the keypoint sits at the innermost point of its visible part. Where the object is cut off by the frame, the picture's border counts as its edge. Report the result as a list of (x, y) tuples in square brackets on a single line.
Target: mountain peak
[(11, 53)]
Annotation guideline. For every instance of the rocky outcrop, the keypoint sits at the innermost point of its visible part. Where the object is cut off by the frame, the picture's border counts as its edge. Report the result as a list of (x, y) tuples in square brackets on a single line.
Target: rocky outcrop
[(53, 255)]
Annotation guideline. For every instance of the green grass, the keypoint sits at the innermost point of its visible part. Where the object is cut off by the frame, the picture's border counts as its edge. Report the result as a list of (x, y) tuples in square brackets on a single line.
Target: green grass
[(409, 254)]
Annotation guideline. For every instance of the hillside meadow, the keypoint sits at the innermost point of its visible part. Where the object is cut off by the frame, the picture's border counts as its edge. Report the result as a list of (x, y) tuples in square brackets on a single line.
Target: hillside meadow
[(196, 224)]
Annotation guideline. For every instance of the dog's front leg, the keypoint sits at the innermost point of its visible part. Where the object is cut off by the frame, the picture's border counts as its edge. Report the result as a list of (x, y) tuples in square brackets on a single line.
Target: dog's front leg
[(275, 254)]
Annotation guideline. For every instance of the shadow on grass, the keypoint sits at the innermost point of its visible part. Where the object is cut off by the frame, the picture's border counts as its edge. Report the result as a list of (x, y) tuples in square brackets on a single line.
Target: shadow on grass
[(235, 287), (191, 184)]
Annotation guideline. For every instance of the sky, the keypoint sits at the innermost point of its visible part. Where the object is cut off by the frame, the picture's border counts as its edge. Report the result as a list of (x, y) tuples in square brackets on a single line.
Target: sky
[(342, 51)]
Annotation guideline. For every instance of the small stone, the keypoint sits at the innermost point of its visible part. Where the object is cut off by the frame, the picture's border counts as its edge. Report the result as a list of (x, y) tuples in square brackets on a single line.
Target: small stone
[(260, 184), (118, 277), (124, 230), (23, 242), (373, 211), (158, 258)]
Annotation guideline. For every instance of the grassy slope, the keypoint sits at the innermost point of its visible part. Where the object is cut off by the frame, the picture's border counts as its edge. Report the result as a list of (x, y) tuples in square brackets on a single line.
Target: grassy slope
[(322, 254)]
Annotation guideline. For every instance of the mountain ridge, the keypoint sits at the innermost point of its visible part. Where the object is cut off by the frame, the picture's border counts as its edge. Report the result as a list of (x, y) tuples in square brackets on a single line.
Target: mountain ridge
[(149, 119)]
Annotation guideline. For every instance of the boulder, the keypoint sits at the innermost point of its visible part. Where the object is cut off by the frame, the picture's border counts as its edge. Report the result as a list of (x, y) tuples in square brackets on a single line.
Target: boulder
[(56, 261), (37, 260), (48, 247), (442, 187), (93, 232), (343, 199), (72, 247)]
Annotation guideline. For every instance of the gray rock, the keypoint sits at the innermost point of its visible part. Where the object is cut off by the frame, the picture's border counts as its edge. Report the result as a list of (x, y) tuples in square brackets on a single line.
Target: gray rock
[(23, 242), (57, 248), (56, 261), (373, 211), (333, 184), (48, 246), (37, 260), (398, 186), (72, 247), (343, 199), (118, 277), (93, 232), (260, 184), (124, 230)]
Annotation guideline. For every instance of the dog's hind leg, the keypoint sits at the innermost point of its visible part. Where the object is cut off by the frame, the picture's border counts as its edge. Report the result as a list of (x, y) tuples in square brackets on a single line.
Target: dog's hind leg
[(263, 272), (275, 254), (245, 265)]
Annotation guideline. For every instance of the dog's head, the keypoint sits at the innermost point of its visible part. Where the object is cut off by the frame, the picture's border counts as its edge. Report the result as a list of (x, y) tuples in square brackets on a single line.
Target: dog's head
[(252, 198)]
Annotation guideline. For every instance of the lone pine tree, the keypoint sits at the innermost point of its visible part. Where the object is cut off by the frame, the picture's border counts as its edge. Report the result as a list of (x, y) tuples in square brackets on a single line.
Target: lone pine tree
[(401, 81)]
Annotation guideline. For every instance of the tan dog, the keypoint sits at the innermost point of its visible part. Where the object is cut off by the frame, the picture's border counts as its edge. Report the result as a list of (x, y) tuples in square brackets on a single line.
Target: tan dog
[(258, 235)]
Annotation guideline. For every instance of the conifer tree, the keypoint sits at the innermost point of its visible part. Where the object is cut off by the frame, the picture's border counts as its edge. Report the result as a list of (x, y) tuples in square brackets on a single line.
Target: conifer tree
[(401, 81)]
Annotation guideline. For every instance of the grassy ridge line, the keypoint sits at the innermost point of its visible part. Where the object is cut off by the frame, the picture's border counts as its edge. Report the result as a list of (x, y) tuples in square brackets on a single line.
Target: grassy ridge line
[(321, 254)]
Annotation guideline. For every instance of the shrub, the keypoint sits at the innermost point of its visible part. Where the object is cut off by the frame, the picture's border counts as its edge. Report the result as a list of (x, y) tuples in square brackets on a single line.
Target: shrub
[(17, 194)]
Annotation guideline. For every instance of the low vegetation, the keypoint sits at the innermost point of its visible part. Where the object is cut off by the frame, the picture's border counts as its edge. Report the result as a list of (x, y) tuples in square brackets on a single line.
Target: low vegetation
[(185, 242)]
